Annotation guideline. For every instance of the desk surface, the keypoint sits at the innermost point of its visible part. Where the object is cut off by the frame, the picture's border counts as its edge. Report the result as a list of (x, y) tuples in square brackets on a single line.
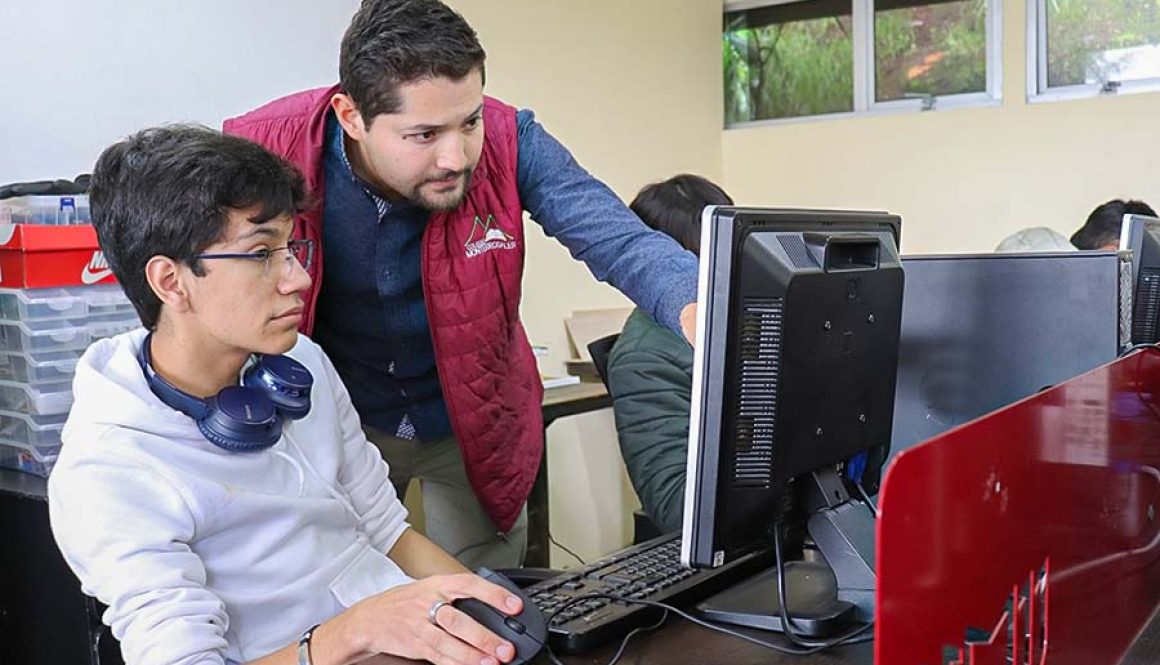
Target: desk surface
[(574, 399)]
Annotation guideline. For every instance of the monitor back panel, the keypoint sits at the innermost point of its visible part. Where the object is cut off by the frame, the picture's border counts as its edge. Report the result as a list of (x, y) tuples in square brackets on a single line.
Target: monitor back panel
[(981, 331)]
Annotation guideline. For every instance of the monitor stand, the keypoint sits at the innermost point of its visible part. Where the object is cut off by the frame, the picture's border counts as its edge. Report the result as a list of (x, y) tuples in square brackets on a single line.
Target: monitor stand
[(825, 595), (810, 598)]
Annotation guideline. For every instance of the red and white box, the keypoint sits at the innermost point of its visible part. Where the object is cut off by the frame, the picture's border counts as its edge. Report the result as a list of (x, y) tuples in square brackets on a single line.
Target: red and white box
[(39, 255)]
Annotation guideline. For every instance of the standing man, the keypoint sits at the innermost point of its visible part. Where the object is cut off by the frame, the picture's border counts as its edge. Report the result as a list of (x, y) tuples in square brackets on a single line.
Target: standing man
[(422, 183)]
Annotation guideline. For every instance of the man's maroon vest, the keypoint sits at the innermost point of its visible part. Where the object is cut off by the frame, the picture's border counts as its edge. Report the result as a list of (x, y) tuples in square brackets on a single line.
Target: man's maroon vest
[(473, 263)]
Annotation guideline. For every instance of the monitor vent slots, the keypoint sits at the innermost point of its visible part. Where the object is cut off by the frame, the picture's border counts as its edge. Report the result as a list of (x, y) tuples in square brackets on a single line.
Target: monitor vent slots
[(760, 360), (1147, 307)]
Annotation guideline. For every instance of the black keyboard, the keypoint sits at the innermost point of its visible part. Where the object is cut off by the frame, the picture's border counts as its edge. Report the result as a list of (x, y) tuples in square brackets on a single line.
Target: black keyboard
[(649, 571)]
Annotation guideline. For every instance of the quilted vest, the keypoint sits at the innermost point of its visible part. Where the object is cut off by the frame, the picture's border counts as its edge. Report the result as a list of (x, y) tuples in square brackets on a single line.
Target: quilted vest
[(472, 266)]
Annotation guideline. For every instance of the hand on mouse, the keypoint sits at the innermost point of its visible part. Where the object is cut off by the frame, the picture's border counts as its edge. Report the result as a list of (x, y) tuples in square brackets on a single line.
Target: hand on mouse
[(396, 622)]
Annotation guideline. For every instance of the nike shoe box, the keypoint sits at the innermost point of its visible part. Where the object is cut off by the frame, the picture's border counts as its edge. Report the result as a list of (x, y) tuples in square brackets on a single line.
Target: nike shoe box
[(43, 255)]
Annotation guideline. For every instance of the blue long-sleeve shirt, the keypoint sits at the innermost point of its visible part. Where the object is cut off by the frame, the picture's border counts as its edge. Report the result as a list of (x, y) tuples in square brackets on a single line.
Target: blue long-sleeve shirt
[(371, 317)]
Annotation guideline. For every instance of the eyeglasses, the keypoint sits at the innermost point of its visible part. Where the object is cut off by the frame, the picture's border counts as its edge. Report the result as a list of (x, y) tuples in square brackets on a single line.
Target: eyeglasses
[(301, 251)]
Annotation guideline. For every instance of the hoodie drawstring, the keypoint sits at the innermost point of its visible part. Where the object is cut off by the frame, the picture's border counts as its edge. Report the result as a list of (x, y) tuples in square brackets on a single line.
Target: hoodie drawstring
[(318, 477), (297, 467)]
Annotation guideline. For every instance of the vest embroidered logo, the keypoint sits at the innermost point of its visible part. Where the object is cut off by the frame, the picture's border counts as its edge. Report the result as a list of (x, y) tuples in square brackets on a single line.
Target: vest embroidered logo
[(486, 236), (96, 269)]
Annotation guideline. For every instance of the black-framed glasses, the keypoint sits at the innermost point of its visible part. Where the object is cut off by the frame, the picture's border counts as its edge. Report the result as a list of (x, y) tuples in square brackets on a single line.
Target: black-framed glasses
[(301, 251)]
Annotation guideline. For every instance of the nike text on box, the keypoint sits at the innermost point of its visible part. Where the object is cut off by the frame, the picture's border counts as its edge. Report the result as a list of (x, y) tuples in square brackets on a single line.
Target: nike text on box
[(36, 256)]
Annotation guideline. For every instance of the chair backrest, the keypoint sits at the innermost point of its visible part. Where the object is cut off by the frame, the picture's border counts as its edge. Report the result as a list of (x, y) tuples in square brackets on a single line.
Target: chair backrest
[(599, 350)]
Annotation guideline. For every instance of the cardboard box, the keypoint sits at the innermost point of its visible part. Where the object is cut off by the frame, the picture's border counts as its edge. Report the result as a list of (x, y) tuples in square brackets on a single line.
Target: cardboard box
[(588, 325), (38, 255)]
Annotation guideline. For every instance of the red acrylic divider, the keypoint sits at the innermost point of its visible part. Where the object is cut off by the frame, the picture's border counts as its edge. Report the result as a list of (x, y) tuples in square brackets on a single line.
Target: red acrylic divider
[(1029, 535)]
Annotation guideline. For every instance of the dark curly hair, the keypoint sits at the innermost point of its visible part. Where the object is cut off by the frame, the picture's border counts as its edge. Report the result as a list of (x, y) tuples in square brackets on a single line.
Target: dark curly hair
[(393, 42)]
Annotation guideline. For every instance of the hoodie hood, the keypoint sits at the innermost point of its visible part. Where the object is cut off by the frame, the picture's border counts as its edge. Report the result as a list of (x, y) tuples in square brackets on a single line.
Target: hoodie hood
[(111, 391)]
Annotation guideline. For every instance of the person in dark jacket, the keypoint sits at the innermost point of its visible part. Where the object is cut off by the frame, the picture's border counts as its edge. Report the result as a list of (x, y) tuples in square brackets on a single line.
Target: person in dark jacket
[(650, 368)]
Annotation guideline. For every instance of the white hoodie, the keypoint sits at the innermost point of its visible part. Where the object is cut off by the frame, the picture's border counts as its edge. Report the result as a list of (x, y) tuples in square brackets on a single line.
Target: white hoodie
[(207, 556)]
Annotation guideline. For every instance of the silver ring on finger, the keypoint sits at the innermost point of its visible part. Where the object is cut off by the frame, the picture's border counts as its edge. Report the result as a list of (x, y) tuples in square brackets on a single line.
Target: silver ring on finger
[(432, 613)]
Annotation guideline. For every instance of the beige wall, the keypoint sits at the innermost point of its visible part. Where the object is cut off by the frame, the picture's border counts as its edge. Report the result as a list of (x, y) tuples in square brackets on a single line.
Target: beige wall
[(961, 179), (632, 88)]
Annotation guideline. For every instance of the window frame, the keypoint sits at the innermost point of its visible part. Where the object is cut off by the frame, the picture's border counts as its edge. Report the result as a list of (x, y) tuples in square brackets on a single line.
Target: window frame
[(1037, 89), (865, 71)]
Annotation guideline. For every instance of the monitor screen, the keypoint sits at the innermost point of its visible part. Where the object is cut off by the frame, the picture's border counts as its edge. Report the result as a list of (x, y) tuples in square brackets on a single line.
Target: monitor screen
[(794, 367)]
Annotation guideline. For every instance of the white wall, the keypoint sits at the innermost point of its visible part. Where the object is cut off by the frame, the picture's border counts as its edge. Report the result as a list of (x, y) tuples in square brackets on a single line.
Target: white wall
[(76, 76)]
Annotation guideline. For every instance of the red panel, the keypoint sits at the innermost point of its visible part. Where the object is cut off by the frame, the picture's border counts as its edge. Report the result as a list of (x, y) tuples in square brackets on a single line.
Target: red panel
[(1037, 521)]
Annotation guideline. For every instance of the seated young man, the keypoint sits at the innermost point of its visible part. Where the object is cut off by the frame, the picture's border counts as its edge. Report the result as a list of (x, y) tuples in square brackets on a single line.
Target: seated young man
[(650, 368), (221, 523)]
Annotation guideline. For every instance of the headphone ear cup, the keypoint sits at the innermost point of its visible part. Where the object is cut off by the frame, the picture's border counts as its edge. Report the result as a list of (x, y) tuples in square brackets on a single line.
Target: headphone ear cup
[(284, 381), (233, 445), (241, 420)]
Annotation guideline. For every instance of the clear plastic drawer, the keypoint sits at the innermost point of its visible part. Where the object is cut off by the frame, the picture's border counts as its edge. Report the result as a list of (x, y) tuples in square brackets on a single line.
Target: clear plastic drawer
[(40, 337), (36, 400), (20, 337), (29, 460), (39, 432), (39, 369), (69, 303)]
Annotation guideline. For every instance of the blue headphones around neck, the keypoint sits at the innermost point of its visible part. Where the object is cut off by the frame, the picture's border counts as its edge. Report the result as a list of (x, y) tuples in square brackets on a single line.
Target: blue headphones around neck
[(245, 418)]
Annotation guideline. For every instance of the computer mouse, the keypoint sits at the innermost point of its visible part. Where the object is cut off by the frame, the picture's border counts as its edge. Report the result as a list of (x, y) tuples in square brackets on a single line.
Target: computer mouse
[(527, 631)]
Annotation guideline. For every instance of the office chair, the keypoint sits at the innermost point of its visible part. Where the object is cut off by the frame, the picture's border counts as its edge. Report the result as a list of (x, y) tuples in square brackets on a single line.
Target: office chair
[(104, 648), (599, 350)]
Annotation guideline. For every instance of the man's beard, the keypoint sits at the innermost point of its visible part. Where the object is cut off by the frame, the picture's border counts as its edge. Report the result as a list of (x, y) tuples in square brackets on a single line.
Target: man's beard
[(443, 201)]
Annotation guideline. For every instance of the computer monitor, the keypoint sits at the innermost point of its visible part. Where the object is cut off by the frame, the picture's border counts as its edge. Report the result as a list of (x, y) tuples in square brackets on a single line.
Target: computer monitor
[(981, 331), (793, 392), (1141, 236)]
